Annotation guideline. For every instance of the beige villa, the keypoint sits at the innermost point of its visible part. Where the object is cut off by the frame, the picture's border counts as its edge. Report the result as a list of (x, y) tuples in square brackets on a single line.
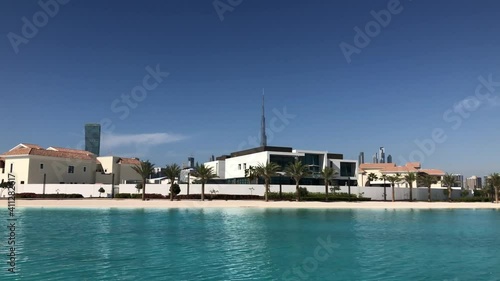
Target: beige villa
[(33, 164), (390, 169)]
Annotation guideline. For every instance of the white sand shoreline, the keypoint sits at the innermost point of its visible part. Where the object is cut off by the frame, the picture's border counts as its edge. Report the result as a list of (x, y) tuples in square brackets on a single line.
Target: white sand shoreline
[(196, 204)]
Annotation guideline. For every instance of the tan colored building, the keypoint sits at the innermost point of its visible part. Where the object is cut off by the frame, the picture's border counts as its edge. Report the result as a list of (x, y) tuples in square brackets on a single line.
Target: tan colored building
[(390, 169), (32, 164)]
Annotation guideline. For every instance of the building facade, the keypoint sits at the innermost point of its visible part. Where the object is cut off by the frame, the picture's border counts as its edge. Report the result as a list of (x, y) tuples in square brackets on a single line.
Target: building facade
[(390, 169), (32, 164), (232, 167)]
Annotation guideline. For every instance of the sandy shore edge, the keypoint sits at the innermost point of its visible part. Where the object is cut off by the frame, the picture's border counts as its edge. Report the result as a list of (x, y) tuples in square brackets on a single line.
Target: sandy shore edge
[(166, 204)]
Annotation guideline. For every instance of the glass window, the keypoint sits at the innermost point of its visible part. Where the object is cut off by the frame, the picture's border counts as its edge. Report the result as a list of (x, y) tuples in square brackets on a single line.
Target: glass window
[(239, 166), (347, 169), (71, 169), (41, 166), (84, 169)]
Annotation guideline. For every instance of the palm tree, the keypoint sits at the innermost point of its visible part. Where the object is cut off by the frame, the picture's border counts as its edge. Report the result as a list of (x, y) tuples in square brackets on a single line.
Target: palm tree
[(393, 180), (328, 174), (172, 172), (410, 178), (144, 169), (448, 181), (251, 174), (267, 171), (384, 178), (494, 180), (426, 180), (297, 171), (203, 173), (372, 177)]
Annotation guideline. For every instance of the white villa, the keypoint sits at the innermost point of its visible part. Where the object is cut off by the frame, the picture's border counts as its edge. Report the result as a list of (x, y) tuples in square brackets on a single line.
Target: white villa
[(33, 164), (232, 167)]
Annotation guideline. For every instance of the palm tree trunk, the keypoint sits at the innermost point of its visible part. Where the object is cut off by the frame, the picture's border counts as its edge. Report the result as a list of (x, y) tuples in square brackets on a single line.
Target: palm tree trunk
[(202, 191), (449, 193), (326, 191), (297, 191), (171, 194), (266, 195), (143, 189), (429, 194), (496, 194), (411, 193), (393, 193), (385, 192)]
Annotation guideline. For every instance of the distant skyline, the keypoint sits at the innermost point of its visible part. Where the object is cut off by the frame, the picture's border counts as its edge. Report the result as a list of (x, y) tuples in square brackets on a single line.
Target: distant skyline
[(173, 79)]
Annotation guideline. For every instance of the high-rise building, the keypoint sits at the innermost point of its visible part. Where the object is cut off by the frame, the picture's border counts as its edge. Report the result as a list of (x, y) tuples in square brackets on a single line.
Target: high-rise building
[(382, 155), (375, 158), (459, 180), (361, 158), (190, 162), (93, 138), (389, 158), (263, 137), (474, 182)]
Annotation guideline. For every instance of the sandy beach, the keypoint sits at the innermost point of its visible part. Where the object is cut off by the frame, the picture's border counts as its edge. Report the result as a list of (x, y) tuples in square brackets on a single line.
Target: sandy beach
[(165, 204)]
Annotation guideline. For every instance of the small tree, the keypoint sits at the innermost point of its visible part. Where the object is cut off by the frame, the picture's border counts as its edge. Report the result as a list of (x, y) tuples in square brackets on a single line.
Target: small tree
[(372, 177), (393, 180), (144, 169), (297, 171), (267, 171), (427, 180), (176, 189), (172, 172), (448, 181), (328, 175), (410, 178), (101, 190), (204, 174), (494, 179), (138, 187)]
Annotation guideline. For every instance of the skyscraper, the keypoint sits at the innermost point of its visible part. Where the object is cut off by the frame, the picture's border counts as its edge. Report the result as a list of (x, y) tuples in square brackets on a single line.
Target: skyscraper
[(93, 138), (389, 158), (263, 137), (375, 158), (382, 155), (361, 158)]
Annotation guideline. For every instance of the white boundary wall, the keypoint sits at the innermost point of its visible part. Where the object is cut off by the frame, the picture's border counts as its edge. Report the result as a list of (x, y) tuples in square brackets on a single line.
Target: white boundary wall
[(91, 190)]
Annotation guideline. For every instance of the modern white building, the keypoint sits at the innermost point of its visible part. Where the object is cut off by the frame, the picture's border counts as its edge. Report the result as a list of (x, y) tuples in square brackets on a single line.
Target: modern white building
[(32, 164), (232, 167)]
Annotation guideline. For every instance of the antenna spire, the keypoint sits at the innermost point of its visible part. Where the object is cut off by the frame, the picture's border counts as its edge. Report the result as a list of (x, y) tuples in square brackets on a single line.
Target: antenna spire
[(263, 137)]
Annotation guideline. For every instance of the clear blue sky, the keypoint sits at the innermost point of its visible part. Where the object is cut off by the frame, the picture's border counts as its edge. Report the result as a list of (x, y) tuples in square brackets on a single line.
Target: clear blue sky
[(426, 61)]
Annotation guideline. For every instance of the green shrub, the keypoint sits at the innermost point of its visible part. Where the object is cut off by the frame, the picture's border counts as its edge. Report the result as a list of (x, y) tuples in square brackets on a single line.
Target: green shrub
[(472, 199), (122, 195)]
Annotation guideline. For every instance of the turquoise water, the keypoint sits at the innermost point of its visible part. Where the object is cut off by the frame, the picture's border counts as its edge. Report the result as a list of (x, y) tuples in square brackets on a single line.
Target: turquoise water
[(254, 244)]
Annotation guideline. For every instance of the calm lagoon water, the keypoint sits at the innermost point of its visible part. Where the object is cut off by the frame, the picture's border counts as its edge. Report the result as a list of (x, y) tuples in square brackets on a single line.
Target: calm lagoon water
[(254, 244)]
